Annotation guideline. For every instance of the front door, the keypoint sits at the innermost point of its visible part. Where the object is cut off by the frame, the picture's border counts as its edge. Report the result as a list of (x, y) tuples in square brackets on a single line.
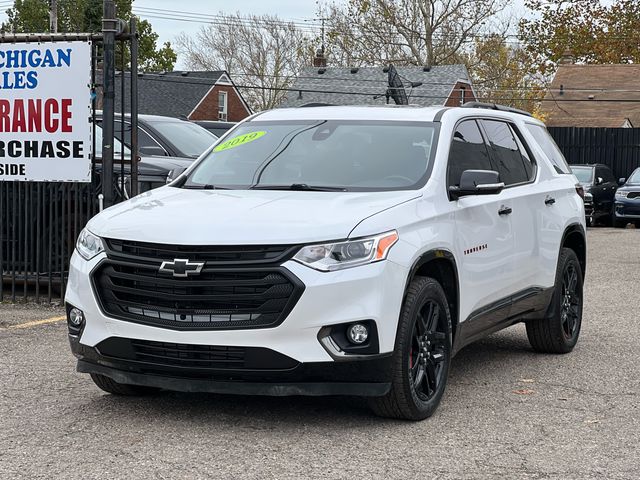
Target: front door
[(484, 241)]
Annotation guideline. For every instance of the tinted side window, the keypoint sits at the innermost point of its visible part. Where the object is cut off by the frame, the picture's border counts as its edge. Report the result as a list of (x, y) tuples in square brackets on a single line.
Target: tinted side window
[(468, 152), (529, 164), (144, 139), (549, 147), (506, 153)]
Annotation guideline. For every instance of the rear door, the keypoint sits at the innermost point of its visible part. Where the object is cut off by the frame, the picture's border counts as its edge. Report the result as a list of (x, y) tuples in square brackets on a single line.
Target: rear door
[(484, 236), (559, 203)]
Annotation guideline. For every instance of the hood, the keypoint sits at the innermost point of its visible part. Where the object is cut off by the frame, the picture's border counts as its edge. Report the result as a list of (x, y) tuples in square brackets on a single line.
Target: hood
[(237, 217), (162, 165)]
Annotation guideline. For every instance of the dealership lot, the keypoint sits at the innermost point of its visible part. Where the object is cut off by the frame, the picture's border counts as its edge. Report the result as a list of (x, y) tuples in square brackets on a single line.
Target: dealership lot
[(507, 411)]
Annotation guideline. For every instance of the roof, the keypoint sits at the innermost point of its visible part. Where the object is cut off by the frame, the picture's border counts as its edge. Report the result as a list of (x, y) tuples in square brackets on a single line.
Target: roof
[(594, 89), (358, 112), (171, 94), (400, 113), (359, 86), (143, 117)]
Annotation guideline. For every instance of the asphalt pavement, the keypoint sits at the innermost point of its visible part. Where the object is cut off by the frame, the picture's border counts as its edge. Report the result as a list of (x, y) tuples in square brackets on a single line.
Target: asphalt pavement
[(507, 412)]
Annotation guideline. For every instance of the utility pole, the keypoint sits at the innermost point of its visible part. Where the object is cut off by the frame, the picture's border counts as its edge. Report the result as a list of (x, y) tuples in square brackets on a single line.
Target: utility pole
[(53, 16), (109, 29)]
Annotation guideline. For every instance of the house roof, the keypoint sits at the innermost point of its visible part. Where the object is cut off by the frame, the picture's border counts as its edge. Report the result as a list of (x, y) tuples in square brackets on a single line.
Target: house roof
[(594, 89), (172, 94), (359, 86)]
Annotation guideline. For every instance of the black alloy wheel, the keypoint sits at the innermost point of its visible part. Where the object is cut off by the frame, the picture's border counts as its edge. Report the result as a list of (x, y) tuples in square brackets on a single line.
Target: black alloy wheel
[(422, 354), (559, 329), (571, 302), (428, 351)]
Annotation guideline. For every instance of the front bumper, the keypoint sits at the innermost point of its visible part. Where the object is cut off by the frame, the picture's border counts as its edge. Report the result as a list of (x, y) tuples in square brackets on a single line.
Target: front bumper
[(359, 377), (627, 209), (368, 293)]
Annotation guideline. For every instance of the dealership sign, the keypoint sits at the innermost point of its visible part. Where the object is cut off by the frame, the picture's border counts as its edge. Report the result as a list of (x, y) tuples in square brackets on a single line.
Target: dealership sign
[(45, 110)]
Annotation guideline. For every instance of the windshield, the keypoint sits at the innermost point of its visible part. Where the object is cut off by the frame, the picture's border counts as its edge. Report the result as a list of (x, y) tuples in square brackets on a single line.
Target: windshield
[(635, 176), (344, 155), (189, 138), (583, 174)]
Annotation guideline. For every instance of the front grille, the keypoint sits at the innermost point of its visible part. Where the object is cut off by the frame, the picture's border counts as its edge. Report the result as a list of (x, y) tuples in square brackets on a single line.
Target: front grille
[(633, 194), (149, 354), (238, 287), (218, 255)]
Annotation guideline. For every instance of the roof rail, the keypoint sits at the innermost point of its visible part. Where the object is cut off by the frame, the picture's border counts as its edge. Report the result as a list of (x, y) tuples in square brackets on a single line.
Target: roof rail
[(317, 104), (495, 106)]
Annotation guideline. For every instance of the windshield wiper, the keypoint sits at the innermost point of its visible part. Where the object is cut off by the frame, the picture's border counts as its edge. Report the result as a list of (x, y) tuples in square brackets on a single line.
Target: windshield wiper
[(299, 187), (208, 186)]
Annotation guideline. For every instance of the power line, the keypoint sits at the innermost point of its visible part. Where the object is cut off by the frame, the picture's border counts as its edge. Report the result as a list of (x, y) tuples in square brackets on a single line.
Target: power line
[(221, 17), (327, 83), (361, 93)]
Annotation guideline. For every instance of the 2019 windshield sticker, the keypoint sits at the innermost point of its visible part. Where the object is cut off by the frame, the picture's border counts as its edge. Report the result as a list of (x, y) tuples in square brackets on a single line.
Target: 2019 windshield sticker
[(239, 140)]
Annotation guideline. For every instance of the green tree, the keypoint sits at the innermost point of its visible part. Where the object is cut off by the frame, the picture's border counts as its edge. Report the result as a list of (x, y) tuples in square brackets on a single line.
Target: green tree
[(86, 16), (502, 73), (594, 32)]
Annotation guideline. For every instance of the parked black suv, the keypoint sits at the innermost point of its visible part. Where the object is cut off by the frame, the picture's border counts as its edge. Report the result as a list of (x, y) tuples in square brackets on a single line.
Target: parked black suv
[(599, 191)]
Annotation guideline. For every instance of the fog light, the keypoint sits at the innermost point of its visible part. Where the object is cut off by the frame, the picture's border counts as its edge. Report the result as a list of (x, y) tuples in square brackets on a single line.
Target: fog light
[(76, 317), (358, 333)]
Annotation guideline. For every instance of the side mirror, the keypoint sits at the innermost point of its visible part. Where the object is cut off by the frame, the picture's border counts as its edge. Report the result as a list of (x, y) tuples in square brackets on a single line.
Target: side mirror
[(599, 181), (477, 182), (621, 181), (152, 150)]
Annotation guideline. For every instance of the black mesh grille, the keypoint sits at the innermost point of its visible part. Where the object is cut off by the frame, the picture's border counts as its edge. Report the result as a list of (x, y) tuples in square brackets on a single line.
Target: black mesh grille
[(633, 194), (150, 355), (248, 292), (199, 356)]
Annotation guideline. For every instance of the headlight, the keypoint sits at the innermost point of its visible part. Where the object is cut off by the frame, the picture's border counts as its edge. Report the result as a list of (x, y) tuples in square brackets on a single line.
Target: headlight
[(336, 256), (88, 245), (588, 197), (622, 194)]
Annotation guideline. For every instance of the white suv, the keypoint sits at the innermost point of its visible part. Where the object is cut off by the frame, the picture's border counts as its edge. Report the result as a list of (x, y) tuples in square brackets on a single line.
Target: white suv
[(334, 251)]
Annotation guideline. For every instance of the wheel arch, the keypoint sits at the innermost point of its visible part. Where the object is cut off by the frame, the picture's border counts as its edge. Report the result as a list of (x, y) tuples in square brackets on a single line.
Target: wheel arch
[(440, 264), (575, 238)]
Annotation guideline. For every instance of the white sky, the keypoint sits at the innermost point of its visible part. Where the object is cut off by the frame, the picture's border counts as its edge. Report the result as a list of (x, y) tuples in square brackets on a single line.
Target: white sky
[(168, 29)]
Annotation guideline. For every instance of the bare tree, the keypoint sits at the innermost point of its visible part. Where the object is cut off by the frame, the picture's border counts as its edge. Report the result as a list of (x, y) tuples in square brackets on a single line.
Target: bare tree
[(414, 32), (262, 53)]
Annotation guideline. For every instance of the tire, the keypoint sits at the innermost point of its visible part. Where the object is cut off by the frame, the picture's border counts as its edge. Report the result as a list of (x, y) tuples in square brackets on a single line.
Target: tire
[(419, 369), (619, 223), (111, 386), (558, 332)]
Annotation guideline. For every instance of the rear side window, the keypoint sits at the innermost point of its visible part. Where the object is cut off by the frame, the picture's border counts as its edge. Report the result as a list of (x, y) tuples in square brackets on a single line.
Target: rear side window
[(549, 147), (468, 152), (514, 164)]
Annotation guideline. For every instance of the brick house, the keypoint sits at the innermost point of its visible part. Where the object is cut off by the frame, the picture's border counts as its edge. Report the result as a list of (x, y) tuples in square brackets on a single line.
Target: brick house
[(593, 96), (447, 85), (205, 95)]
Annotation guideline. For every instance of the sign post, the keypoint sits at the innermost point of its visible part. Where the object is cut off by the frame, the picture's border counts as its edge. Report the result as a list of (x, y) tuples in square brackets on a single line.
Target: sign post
[(45, 110)]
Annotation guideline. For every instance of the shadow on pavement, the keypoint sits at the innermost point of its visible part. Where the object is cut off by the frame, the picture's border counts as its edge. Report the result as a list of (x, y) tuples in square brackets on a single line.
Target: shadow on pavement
[(469, 365)]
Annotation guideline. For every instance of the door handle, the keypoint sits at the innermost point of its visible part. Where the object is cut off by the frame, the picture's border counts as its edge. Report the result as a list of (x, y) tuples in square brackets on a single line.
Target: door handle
[(549, 201), (505, 210)]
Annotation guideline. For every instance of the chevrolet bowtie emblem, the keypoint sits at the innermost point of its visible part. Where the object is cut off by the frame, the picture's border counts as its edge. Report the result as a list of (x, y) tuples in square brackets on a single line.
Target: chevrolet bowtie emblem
[(181, 267)]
